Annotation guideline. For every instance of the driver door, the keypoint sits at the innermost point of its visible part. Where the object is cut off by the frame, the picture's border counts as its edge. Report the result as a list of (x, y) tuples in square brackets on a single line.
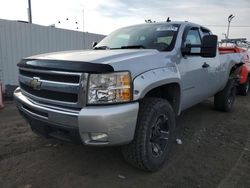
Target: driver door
[(194, 74)]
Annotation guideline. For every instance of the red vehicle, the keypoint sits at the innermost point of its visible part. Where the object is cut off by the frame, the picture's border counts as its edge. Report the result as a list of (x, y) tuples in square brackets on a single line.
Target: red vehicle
[(239, 46)]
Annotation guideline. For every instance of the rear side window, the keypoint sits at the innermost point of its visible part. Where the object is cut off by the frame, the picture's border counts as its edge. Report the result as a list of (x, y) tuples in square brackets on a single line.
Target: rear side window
[(205, 31)]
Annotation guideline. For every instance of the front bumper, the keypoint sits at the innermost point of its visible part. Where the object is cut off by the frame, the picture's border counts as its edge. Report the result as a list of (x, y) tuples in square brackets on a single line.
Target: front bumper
[(117, 122)]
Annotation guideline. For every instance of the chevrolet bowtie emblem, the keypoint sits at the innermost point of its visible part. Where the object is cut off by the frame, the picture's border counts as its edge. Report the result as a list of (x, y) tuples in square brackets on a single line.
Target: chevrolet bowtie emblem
[(36, 83)]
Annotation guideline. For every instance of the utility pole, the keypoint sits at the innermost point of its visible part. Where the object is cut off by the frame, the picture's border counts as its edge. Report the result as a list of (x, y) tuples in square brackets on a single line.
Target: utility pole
[(83, 17), (230, 17), (29, 12), (83, 29)]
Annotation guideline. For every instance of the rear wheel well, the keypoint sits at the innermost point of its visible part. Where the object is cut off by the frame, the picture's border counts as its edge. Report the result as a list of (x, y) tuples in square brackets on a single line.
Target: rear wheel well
[(235, 70), (170, 92)]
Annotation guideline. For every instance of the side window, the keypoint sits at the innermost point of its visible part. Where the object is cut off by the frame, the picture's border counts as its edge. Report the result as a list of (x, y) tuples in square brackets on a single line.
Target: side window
[(193, 38)]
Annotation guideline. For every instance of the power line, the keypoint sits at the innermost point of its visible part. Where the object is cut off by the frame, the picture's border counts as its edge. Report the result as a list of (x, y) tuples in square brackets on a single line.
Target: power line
[(226, 25)]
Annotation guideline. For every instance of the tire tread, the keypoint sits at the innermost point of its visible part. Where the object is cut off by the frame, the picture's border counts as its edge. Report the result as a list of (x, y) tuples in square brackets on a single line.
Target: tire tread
[(133, 152), (220, 99)]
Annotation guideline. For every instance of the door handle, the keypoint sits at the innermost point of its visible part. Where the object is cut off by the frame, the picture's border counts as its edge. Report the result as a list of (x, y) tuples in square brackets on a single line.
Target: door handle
[(205, 65)]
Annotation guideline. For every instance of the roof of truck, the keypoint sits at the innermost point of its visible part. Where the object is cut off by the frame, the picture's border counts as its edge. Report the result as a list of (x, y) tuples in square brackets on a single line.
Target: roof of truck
[(184, 23)]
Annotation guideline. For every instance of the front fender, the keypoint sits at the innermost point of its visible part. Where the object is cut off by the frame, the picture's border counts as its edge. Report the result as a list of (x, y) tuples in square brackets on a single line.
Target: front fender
[(151, 79)]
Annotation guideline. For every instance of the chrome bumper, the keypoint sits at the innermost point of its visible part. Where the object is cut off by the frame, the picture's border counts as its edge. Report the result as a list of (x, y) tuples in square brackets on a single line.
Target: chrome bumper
[(115, 124)]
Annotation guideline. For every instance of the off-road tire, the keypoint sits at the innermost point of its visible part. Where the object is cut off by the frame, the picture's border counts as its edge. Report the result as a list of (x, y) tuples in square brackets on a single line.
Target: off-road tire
[(224, 100), (243, 89), (139, 152)]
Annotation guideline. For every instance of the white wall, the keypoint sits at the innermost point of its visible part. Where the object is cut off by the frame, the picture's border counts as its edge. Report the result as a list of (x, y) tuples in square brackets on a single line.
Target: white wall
[(19, 40)]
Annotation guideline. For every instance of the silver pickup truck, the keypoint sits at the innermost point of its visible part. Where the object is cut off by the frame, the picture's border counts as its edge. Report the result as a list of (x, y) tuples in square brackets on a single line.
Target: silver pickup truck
[(127, 90)]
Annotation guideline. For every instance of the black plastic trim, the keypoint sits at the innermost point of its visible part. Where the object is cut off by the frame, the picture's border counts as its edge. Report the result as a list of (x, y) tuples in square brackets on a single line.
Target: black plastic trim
[(48, 130), (62, 65)]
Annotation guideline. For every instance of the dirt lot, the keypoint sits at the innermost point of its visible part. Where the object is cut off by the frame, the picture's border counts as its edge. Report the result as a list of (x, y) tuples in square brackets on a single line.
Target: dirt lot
[(215, 153)]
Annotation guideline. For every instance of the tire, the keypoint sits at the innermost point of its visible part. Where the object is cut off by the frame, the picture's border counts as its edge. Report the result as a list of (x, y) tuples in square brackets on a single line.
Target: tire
[(153, 137), (243, 89), (224, 100)]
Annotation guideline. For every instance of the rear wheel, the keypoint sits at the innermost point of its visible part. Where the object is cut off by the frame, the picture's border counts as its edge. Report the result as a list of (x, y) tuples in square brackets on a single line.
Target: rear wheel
[(243, 89), (224, 100), (153, 136)]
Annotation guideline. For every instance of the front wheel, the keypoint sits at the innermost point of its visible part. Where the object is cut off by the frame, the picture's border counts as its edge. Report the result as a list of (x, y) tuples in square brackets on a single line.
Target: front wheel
[(153, 136), (224, 100)]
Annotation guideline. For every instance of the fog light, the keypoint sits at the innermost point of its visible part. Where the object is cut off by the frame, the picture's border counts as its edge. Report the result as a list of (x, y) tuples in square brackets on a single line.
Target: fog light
[(100, 137)]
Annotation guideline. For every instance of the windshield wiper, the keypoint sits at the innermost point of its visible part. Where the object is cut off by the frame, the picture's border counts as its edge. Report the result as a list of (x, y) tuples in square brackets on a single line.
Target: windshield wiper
[(101, 48), (133, 47), (122, 47)]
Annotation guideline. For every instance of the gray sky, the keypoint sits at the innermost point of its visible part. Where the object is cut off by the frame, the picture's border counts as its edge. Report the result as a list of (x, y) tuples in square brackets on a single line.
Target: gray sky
[(103, 16)]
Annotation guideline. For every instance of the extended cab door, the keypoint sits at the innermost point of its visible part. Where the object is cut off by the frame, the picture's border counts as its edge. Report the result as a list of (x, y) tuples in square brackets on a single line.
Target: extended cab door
[(194, 70), (213, 70)]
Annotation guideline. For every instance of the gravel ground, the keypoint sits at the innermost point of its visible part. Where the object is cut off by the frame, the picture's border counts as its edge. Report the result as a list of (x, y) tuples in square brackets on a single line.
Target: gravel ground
[(215, 153)]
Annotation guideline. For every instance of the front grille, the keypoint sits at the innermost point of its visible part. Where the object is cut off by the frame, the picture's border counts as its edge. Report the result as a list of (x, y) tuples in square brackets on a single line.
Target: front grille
[(55, 88), (51, 77), (52, 95)]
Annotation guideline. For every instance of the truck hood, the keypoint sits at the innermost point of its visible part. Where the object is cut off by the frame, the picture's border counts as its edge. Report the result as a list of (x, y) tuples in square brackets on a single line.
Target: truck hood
[(135, 60)]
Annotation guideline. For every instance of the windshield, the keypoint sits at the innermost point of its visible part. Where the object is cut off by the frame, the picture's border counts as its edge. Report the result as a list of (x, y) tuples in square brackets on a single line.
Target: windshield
[(149, 36)]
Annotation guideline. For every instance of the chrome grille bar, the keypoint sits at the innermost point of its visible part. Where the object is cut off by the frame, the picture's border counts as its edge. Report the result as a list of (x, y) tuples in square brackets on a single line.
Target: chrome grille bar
[(58, 88), (51, 85)]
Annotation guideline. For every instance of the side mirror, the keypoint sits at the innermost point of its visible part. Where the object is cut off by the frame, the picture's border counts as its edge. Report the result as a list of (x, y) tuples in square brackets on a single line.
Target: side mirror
[(209, 46), (94, 44), (186, 49)]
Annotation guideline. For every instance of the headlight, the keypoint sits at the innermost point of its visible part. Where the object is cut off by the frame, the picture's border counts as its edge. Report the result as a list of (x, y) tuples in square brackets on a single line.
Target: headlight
[(109, 88)]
